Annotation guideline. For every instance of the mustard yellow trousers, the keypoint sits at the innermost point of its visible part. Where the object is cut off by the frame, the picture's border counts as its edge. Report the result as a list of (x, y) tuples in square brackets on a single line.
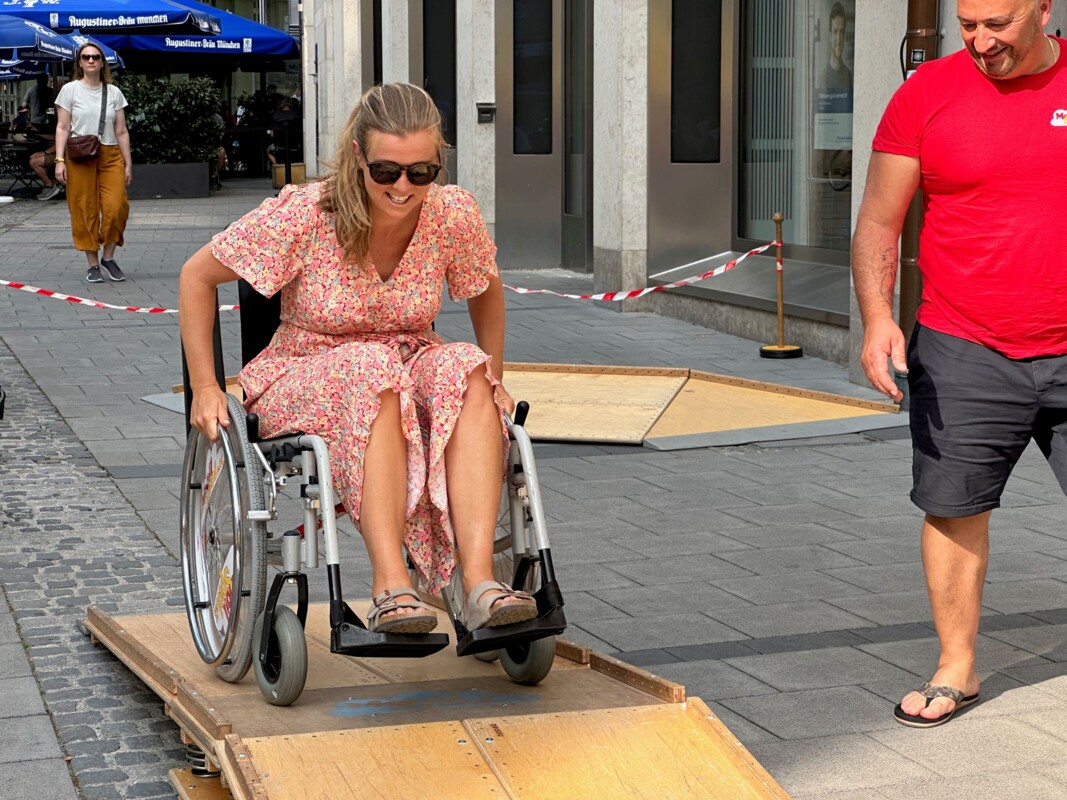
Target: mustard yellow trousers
[(96, 198)]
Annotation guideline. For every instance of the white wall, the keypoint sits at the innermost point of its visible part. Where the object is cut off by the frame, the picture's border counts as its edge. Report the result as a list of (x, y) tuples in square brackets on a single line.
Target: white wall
[(396, 42), (880, 25), (476, 83), (620, 140), (332, 89)]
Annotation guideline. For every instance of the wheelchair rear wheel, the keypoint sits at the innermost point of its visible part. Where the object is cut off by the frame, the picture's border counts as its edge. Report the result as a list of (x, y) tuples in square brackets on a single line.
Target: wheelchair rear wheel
[(224, 566)]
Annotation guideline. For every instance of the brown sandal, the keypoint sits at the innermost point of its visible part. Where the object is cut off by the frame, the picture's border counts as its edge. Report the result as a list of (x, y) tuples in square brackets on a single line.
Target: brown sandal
[(387, 605), (482, 609)]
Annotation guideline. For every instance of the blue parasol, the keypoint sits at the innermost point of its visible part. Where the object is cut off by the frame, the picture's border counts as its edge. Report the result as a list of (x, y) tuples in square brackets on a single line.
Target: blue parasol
[(25, 40), (20, 59), (16, 70), (115, 16), (237, 36), (113, 59)]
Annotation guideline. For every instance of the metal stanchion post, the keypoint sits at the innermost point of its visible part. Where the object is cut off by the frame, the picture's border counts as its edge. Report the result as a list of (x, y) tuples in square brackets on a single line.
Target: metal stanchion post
[(781, 349)]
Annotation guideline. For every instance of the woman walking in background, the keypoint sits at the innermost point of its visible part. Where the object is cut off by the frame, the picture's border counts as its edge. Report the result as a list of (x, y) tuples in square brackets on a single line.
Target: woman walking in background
[(96, 189)]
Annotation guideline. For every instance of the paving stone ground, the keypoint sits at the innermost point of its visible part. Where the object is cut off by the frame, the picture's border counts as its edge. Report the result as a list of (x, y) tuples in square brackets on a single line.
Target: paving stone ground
[(780, 582)]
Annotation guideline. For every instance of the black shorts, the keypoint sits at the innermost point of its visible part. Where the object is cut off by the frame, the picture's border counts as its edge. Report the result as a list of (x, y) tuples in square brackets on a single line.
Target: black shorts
[(973, 412)]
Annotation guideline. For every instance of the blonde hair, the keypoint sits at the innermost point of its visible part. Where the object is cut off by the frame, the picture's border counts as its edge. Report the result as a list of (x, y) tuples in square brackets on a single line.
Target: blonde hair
[(79, 73), (399, 109)]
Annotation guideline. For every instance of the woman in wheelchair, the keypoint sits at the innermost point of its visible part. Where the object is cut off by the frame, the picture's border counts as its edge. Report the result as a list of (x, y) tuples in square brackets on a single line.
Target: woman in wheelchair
[(415, 426)]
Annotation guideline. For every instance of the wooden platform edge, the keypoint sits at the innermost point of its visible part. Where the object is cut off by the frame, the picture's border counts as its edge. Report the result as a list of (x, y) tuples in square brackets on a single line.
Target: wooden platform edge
[(201, 714), (141, 662), (702, 715), (572, 651), (192, 734), (596, 369), (641, 679), (793, 391), (240, 772)]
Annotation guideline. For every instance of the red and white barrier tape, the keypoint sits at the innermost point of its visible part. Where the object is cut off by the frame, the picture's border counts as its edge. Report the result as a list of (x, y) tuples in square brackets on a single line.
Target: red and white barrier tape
[(608, 296), (633, 293), (25, 287)]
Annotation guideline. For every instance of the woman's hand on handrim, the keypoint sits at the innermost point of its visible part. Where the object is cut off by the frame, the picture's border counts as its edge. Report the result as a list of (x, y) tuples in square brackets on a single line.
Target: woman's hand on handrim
[(504, 399), (209, 410)]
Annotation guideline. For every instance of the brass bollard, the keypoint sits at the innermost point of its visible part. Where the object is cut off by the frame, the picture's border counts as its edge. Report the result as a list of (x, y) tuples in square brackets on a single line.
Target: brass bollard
[(781, 349)]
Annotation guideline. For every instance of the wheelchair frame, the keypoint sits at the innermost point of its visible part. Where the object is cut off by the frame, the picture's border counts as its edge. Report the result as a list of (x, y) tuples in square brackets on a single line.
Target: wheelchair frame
[(229, 493)]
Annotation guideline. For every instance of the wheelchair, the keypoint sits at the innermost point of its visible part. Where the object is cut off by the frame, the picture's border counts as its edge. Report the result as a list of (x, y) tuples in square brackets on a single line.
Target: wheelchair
[(230, 492)]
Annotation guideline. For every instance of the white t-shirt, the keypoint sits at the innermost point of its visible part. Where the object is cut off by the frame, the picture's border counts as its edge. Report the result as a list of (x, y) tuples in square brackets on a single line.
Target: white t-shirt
[(83, 104)]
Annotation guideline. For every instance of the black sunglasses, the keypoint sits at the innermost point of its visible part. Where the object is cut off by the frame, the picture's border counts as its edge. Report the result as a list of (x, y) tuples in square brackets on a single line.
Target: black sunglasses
[(386, 172), (91, 56)]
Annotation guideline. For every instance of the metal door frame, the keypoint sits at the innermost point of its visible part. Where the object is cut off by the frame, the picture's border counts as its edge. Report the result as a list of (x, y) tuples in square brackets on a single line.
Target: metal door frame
[(529, 188), (577, 230), (691, 206)]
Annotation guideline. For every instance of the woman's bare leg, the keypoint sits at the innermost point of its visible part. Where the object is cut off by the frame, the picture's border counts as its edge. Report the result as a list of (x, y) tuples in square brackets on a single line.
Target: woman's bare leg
[(474, 455), (385, 482)]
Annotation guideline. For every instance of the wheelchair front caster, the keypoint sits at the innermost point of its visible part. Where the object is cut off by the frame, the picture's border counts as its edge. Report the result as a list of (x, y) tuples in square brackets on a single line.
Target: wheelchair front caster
[(281, 677), (530, 662)]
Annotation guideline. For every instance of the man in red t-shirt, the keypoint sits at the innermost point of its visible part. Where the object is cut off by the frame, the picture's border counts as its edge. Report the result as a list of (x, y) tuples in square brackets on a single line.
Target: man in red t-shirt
[(983, 134)]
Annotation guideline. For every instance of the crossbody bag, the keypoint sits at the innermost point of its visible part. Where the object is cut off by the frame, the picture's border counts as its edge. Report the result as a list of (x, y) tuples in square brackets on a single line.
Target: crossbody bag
[(87, 148)]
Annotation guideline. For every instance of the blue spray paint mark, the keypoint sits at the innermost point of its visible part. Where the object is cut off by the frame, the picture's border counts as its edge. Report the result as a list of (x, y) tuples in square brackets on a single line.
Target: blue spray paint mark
[(421, 702)]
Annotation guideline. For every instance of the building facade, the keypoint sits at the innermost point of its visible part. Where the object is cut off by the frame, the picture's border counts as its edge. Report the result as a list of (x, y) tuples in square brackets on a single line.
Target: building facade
[(646, 140)]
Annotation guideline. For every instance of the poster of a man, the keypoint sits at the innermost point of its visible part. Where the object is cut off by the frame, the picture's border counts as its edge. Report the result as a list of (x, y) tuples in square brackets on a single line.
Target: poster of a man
[(835, 73), (833, 76)]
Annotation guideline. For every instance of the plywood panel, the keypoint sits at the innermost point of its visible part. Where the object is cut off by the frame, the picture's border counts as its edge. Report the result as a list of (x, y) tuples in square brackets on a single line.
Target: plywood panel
[(795, 391), (705, 405), (124, 636), (191, 787), (592, 407), (407, 703), (411, 761), (651, 752), (167, 638)]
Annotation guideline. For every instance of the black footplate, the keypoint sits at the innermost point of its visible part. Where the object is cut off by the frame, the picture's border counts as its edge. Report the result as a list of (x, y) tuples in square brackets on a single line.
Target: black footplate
[(347, 639), (552, 623)]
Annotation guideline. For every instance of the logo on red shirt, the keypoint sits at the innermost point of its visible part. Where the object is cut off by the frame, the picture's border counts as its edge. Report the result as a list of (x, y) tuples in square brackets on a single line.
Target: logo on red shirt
[(1059, 118)]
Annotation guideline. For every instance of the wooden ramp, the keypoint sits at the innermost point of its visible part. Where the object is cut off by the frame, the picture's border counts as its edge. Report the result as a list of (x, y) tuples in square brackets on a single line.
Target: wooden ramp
[(676, 408), (440, 726)]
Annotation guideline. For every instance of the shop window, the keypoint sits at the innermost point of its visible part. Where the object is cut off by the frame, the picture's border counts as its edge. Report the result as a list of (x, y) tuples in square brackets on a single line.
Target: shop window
[(696, 81), (796, 121), (533, 77), (439, 60)]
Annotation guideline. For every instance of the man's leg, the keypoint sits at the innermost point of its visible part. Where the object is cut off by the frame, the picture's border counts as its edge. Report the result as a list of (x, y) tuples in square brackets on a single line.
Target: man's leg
[(38, 165), (955, 555)]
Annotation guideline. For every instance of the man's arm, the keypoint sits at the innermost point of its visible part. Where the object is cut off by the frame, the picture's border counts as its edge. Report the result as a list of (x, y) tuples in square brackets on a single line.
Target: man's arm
[(891, 183)]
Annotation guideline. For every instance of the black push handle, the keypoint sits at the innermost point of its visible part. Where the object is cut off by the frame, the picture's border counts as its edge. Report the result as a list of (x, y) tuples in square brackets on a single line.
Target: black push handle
[(522, 408)]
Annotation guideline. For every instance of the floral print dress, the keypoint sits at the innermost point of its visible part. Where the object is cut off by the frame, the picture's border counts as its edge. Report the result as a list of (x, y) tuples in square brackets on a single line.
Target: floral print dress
[(346, 335)]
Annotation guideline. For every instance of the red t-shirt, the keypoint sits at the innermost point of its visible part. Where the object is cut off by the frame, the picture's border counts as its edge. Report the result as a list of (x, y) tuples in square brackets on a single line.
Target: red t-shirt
[(993, 156)]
